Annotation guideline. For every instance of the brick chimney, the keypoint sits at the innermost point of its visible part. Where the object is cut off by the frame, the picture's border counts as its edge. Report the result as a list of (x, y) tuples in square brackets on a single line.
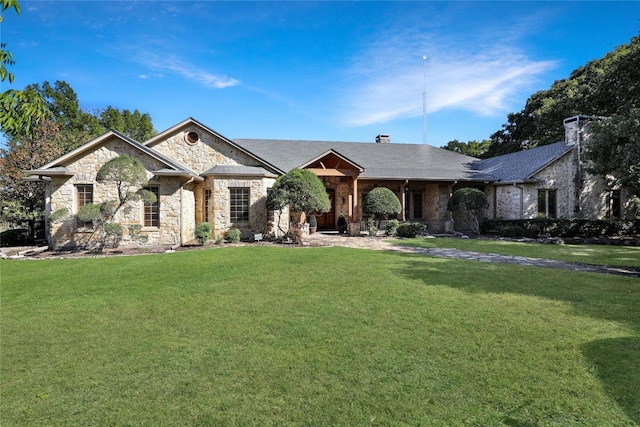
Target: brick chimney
[(383, 139)]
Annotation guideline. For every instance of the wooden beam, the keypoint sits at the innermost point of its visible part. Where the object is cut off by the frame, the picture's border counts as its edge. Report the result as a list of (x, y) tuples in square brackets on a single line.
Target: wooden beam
[(334, 172)]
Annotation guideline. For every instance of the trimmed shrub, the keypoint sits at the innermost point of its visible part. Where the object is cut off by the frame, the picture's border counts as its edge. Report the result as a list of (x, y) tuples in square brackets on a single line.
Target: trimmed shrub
[(392, 227), (566, 228), (410, 229), (381, 201), (233, 235), (371, 227), (203, 232)]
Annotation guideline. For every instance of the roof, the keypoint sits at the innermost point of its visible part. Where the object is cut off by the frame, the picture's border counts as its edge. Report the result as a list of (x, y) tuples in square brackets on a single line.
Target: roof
[(239, 170), (58, 166), (379, 160), (522, 165)]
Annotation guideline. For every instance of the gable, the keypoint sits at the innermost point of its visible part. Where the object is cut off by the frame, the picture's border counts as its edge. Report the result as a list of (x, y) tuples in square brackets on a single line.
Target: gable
[(332, 163), (201, 149), (521, 166), (88, 158)]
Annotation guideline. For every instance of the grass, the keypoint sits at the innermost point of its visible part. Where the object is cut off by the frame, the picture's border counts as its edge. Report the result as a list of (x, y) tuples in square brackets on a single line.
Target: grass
[(315, 336), (594, 254)]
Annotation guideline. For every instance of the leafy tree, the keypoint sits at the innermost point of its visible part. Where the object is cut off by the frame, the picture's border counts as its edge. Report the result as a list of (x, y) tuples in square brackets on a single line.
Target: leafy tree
[(34, 140), (133, 124), (469, 202), (614, 150), (129, 176), (19, 110), (471, 148), (301, 190), (381, 202), (604, 87), (24, 200)]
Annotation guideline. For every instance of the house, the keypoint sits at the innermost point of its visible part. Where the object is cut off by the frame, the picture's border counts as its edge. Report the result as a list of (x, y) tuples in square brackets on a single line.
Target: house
[(200, 175)]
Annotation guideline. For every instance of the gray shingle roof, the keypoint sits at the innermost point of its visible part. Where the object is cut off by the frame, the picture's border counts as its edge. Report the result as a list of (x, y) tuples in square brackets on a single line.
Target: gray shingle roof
[(522, 165), (238, 170), (380, 161)]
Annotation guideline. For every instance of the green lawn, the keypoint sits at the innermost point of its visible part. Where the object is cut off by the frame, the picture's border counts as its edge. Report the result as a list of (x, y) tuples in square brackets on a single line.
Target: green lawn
[(314, 336), (594, 254)]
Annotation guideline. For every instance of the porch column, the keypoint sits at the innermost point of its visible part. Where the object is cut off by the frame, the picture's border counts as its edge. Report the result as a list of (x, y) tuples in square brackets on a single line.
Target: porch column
[(354, 213)]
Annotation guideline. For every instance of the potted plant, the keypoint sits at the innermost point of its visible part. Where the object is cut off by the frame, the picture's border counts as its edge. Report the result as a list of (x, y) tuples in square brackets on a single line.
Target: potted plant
[(313, 224)]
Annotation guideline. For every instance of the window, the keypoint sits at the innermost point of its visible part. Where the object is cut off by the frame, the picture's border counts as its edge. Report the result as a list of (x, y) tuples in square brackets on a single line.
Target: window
[(239, 204), (84, 196), (547, 203), (207, 205), (152, 210), (192, 138), (417, 205)]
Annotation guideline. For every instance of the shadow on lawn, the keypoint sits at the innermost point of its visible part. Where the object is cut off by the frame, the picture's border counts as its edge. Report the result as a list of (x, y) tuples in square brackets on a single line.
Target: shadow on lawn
[(616, 361), (617, 365)]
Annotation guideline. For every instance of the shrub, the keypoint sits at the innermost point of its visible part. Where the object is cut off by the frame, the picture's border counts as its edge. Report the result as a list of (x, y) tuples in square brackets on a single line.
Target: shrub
[(294, 234), (410, 229), (14, 237), (381, 201), (392, 227), (512, 231), (203, 232), (313, 221), (371, 227), (233, 235)]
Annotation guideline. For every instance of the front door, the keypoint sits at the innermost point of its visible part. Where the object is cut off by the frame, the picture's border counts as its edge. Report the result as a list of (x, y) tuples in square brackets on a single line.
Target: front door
[(327, 221)]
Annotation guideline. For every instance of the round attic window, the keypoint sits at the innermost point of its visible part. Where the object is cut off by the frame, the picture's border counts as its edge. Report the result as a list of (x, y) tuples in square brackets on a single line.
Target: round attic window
[(192, 137)]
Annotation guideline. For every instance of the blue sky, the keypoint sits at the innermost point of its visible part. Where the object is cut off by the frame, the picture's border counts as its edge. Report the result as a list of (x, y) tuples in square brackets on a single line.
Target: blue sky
[(343, 71)]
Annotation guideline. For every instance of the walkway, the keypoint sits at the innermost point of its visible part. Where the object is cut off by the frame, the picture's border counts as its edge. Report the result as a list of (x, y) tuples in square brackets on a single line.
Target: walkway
[(382, 243)]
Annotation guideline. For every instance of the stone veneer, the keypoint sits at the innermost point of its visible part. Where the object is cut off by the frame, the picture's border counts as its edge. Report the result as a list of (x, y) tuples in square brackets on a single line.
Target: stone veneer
[(220, 209), (61, 194)]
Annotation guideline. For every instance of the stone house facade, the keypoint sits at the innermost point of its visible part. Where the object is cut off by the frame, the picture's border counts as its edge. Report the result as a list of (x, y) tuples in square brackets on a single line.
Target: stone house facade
[(202, 176)]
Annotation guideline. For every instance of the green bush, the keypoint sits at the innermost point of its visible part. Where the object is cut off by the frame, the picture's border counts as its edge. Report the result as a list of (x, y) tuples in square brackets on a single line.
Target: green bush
[(203, 232), (562, 227), (233, 235), (410, 229), (371, 227), (381, 201), (14, 237), (392, 227), (512, 231)]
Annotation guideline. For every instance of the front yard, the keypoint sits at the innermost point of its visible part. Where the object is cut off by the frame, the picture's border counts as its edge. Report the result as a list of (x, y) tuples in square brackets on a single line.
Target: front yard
[(262, 335)]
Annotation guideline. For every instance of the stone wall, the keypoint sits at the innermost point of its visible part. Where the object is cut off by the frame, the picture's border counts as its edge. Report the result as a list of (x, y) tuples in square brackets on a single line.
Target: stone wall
[(62, 195), (206, 153), (220, 208)]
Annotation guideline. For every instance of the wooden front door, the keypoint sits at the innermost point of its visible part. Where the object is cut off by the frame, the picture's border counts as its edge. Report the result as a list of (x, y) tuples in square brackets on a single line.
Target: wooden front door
[(327, 221)]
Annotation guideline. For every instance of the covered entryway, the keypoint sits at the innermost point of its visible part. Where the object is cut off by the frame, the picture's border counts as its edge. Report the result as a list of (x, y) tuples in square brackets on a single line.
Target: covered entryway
[(327, 221)]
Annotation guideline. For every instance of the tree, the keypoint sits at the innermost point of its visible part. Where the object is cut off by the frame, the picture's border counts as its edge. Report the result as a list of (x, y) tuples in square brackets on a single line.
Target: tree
[(129, 176), (135, 125), (19, 110), (603, 87), (34, 141), (23, 201), (301, 190), (382, 202), (613, 151), (471, 148), (469, 202)]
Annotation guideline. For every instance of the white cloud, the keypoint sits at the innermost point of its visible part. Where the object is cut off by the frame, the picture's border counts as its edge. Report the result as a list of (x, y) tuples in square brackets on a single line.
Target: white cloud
[(387, 80), (177, 66)]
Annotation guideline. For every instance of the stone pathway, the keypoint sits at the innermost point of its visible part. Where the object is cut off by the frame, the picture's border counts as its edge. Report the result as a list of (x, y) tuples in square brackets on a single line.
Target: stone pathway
[(382, 243)]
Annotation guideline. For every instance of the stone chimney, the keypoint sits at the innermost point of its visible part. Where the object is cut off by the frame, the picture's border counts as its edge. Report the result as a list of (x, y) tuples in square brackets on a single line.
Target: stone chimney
[(576, 129), (383, 139)]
